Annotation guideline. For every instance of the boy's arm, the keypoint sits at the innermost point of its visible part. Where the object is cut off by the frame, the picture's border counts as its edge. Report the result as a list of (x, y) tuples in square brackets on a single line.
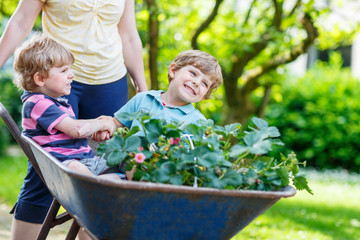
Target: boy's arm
[(84, 128), (118, 124), (103, 135)]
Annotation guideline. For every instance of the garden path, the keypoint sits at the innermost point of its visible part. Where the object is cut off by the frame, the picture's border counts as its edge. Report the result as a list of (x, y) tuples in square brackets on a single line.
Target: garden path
[(58, 233)]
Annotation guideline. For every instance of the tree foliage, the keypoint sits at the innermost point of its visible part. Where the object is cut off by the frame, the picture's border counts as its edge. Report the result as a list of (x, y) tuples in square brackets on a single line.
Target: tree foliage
[(319, 120), (252, 40)]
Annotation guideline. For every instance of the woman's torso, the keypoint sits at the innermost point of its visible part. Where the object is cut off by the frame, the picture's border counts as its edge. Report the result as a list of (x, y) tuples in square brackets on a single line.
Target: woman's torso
[(89, 29)]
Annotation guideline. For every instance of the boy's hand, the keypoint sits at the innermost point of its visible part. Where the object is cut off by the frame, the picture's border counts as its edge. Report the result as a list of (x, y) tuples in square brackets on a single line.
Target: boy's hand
[(101, 136), (109, 125)]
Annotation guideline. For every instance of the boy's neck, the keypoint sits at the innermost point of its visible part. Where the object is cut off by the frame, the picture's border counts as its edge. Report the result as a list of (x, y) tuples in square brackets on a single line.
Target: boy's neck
[(169, 100), (42, 91)]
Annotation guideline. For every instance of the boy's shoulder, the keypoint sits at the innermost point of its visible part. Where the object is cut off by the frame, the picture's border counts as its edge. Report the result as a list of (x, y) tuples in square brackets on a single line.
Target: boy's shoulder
[(154, 93), (144, 97), (43, 99), (34, 97)]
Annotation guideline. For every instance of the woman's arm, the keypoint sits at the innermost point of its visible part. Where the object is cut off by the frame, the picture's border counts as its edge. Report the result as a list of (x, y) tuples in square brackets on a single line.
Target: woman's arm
[(132, 47), (19, 26)]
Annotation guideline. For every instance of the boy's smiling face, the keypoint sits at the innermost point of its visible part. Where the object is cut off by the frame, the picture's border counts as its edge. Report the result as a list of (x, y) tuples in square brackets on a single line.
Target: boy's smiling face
[(188, 85)]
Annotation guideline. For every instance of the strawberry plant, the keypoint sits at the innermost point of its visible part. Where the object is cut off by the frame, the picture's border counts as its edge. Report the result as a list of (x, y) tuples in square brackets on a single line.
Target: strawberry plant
[(203, 154)]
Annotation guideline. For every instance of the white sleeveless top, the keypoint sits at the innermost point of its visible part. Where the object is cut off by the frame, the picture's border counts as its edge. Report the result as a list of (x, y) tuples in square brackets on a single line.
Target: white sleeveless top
[(89, 29)]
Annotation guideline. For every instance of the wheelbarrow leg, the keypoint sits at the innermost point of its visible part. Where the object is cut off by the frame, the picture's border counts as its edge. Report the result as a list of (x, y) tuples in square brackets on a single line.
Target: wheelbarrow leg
[(73, 231), (51, 215)]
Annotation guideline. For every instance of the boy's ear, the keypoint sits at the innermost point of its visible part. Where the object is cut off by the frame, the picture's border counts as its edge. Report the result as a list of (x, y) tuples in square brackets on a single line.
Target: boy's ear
[(172, 70), (38, 79)]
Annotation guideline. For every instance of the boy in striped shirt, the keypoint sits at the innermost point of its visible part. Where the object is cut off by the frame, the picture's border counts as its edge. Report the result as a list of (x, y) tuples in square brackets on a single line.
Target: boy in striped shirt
[(43, 70)]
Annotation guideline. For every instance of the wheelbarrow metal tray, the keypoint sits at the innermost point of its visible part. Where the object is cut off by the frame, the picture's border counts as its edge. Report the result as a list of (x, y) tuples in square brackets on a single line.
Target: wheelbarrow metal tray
[(138, 210)]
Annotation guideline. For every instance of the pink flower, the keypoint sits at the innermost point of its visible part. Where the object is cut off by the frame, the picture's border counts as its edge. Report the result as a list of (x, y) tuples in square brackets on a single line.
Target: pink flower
[(140, 149), (139, 157)]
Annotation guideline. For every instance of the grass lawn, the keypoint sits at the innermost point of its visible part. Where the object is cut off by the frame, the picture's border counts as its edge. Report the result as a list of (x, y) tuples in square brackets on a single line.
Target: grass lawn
[(13, 170), (333, 212)]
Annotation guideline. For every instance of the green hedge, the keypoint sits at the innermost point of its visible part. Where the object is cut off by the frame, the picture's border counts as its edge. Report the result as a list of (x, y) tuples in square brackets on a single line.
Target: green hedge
[(319, 116), (10, 98)]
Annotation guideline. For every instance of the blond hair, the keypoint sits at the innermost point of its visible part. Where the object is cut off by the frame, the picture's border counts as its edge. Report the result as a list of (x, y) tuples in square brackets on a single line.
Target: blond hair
[(205, 62), (38, 54)]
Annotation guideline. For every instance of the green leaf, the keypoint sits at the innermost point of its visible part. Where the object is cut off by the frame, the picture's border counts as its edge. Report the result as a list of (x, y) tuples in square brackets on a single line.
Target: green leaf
[(101, 149), (196, 131), (132, 143), (224, 163), (173, 133), (132, 131), (209, 159), (187, 158), (205, 123), (176, 180), (176, 152), (214, 142), (129, 167), (295, 169), (153, 137), (284, 175), (141, 176), (259, 165), (147, 154), (115, 158), (169, 167), (264, 128), (252, 138), (237, 150), (233, 178), (215, 183), (116, 142), (233, 128), (197, 172), (256, 143), (267, 160), (301, 183), (212, 180), (161, 176), (154, 126), (220, 129)]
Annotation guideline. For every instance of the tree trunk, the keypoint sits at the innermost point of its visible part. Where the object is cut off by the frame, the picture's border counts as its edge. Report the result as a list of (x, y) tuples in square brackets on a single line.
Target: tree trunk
[(241, 111), (153, 42)]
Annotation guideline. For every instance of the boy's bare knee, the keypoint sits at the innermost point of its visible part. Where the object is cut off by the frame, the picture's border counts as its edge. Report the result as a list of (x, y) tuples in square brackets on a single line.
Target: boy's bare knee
[(79, 167)]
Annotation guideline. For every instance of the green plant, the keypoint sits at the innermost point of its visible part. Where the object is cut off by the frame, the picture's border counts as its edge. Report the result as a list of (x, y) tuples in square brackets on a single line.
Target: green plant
[(206, 156), (10, 98), (319, 114)]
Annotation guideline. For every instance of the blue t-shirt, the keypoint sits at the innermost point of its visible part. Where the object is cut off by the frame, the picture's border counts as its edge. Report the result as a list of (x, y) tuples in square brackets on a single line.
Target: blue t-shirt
[(150, 102)]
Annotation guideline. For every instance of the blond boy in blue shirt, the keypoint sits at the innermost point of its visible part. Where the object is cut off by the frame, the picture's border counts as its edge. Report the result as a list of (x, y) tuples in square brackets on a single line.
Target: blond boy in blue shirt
[(193, 76)]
